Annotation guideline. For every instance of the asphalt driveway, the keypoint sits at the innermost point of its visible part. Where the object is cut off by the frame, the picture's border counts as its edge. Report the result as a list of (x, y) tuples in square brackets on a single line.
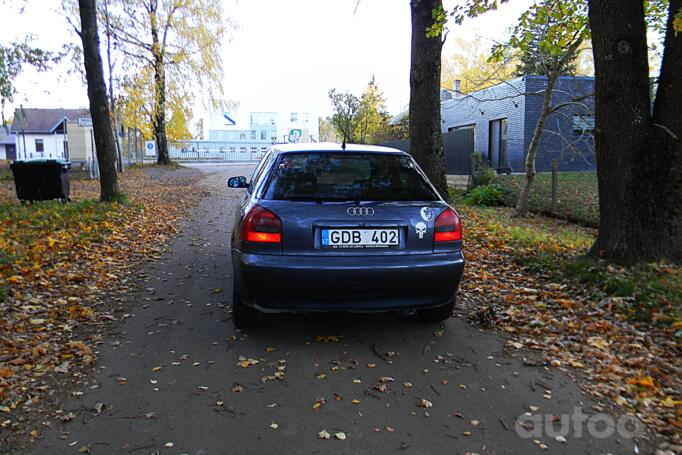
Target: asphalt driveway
[(178, 378)]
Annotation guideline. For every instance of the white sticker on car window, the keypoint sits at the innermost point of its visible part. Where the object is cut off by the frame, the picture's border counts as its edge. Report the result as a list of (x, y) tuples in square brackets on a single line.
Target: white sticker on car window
[(426, 213), (420, 228)]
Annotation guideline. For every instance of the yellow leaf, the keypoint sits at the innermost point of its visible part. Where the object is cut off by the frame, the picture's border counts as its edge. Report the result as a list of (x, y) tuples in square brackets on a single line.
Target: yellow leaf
[(328, 338), (245, 363), (6, 372), (646, 382), (670, 403), (355, 401)]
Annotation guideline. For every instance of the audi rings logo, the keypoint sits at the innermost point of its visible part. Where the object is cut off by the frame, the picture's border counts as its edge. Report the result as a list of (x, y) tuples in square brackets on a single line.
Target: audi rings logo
[(360, 211)]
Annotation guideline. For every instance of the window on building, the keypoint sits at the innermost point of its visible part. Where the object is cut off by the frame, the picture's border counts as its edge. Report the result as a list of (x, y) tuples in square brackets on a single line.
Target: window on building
[(253, 135), (242, 149), (583, 124), (233, 149), (40, 146), (263, 135), (263, 149), (242, 136), (254, 149), (294, 117)]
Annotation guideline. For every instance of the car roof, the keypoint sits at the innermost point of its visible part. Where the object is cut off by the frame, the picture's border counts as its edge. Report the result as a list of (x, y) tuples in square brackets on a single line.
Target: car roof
[(333, 147)]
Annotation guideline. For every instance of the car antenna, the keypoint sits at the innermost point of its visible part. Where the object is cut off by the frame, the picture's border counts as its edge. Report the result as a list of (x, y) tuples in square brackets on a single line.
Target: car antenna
[(343, 144)]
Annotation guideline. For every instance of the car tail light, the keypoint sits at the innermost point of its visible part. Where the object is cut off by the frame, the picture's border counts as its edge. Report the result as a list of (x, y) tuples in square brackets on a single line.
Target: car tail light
[(448, 227), (261, 225)]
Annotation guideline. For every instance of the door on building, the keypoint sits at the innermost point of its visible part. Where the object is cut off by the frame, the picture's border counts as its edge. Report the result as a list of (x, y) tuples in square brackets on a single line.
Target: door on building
[(497, 144), (11, 151)]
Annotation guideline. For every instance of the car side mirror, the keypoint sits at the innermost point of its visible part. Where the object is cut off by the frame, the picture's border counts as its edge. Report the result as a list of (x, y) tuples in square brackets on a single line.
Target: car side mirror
[(237, 182)]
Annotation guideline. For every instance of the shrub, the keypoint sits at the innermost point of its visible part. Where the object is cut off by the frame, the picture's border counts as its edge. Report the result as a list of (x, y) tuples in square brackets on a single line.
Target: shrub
[(483, 173), (489, 195)]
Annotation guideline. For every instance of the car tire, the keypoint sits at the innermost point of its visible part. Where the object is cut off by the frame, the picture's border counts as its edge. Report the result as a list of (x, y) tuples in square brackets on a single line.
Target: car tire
[(437, 314), (243, 316)]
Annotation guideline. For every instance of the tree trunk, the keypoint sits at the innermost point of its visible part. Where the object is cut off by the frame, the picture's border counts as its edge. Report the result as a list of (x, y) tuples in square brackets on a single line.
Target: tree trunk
[(159, 120), (112, 103), (639, 156), (426, 139), (99, 108), (524, 195)]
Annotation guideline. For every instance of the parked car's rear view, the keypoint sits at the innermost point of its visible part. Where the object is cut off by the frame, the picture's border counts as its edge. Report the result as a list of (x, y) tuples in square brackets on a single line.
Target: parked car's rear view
[(327, 229)]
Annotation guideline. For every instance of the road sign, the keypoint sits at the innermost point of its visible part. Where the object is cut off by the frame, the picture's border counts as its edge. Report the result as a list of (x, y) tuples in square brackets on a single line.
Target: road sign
[(149, 148), (295, 135)]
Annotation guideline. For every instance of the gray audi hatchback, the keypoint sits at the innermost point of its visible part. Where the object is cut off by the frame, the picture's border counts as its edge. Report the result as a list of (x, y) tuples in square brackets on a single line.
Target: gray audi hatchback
[(360, 228)]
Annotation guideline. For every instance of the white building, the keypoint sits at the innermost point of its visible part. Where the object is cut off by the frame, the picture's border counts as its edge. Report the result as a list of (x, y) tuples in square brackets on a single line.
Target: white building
[(7, 147), (260, 126), (43, 133)]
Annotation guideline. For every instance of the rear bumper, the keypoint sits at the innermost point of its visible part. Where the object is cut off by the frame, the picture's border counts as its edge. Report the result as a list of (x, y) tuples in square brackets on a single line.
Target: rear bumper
[(274, 283)]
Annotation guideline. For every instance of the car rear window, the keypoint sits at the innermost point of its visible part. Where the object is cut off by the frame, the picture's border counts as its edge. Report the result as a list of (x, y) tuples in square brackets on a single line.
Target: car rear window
[(347, 176)]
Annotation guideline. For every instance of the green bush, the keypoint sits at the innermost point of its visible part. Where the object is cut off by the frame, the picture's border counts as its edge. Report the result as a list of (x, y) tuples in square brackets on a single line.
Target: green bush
[(489, 195), (483, 173)]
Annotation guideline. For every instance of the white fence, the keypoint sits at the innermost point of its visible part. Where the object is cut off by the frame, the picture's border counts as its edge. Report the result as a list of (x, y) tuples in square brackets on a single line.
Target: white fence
[(217, 151)]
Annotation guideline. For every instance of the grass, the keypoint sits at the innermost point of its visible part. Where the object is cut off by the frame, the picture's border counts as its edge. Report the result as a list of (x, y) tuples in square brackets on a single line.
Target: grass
[(31, 235), (577, 195), (645, 293), (26, 229), (5, 172), (557, 250)]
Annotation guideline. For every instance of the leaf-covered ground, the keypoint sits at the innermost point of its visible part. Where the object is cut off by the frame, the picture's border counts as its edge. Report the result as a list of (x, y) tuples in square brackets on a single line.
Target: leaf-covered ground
[(577, 196), (61, 266), (573, 312)]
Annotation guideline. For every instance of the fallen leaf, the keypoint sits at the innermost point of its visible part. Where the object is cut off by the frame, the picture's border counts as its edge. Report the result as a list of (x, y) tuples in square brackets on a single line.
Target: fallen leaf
[(237, 388), (245, 363), (328, 338), (424, 403)]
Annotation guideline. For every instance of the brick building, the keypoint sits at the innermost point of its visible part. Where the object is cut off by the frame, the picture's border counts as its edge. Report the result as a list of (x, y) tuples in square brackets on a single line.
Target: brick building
[(503, 118)]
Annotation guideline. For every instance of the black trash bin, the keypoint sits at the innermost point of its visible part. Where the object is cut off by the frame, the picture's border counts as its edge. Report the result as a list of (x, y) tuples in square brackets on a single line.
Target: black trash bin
[(41, 180)]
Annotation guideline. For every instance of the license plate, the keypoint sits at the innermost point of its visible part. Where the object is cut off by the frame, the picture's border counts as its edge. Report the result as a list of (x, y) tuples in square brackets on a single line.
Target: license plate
[(360, 238)]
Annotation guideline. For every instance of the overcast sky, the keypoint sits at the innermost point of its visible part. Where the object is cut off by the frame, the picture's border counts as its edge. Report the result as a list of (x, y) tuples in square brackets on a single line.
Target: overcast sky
[(284, 55)]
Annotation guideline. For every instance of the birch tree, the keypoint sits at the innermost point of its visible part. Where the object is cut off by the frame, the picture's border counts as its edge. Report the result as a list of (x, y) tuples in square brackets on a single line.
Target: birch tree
[(549, 35), (180, 42)]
